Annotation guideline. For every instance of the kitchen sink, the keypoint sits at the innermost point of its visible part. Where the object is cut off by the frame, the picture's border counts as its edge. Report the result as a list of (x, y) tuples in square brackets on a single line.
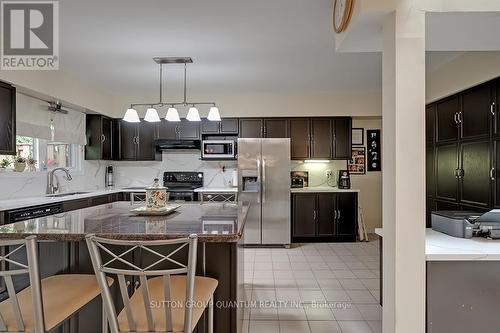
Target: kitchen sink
[(58, 195)]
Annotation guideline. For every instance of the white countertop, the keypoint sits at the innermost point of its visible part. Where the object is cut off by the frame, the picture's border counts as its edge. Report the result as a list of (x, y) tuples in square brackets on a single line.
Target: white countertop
[(442, 247), (217, 190), (43, 199), (314, 189)]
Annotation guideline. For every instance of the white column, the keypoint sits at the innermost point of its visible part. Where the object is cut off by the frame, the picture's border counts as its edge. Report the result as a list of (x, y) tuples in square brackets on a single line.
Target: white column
[(404, 169)]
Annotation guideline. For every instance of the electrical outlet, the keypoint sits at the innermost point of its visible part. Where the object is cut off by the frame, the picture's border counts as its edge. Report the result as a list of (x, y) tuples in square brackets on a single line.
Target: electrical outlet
[(328, 173)]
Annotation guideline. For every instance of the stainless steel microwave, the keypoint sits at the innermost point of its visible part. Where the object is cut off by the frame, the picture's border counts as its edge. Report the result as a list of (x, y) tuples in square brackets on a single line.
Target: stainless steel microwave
[(217, 149)]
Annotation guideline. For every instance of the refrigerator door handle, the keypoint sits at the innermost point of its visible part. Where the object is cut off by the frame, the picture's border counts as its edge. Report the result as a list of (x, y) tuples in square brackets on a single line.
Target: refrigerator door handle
[(263, 180), (259, 181)]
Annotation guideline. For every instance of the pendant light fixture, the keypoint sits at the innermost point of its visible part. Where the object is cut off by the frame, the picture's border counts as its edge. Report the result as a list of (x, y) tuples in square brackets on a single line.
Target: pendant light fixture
[(172, 113)]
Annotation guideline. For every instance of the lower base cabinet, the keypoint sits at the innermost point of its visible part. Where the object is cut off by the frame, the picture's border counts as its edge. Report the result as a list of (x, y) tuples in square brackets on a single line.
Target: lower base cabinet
[(324, 217)]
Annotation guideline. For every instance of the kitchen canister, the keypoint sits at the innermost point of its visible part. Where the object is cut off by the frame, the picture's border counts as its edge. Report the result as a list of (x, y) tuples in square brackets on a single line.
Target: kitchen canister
[(156, 196)]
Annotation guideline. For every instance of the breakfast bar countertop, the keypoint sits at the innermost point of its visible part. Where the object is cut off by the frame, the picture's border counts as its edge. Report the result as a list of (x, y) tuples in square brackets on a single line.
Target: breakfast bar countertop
[(212, 222)]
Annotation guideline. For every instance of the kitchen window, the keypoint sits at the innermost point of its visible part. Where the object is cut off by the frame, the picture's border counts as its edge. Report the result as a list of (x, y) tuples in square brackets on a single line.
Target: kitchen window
[(48, 154)]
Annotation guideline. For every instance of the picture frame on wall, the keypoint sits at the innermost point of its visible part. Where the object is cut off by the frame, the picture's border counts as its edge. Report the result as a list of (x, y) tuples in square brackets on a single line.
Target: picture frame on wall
[(357, 164), (358, 136), (374, 150)]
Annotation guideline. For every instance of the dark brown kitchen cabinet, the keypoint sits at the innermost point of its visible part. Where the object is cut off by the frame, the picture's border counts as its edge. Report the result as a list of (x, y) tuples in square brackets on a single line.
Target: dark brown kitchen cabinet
[(496, 174), (324, 216), (447, 172), (475, 179), (276, 128), (304, 215), (475, 116), (182, 130), (251, 128), (321, 138), (429, 169), (137, 141), (342, 138), (7, 119), (300, 138), (447, 119), (100, 138), (225, 126), (430, 124), (495, 107)]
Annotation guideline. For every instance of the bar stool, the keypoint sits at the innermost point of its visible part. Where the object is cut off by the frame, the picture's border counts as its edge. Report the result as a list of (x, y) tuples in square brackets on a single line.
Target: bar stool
[(167, 301), (45, 303)]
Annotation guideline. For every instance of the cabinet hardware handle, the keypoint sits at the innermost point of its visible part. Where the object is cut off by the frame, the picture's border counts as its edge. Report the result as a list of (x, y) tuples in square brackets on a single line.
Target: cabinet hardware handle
[(334, 215), (455, 117), (338, 214), (103, 138), (137, 140), (314, 215), (492, 173), (492, 109), (460, 117)]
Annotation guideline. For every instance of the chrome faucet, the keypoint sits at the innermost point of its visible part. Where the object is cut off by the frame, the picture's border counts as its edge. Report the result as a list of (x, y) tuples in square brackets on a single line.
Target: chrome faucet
[(51, 188)]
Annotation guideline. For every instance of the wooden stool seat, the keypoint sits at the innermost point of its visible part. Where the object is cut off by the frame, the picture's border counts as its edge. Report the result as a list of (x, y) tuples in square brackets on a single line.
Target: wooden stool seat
[(62, 296), (204, 289)]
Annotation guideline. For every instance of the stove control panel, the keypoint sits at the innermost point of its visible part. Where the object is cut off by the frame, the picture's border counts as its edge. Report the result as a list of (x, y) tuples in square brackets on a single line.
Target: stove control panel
[(183, 177)]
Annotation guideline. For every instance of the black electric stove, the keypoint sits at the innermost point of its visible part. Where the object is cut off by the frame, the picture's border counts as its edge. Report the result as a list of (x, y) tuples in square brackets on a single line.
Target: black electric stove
[(181, 185)]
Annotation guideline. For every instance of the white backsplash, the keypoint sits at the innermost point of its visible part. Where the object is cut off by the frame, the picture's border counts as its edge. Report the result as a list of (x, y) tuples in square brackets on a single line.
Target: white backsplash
[(317, 171)]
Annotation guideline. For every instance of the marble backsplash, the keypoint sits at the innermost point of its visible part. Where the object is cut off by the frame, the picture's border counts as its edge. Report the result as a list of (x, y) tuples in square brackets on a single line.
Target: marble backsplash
[(317, 171)]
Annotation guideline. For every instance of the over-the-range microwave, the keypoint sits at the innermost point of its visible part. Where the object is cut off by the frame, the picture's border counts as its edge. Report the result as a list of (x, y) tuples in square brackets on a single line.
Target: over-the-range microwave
[(218, 149)]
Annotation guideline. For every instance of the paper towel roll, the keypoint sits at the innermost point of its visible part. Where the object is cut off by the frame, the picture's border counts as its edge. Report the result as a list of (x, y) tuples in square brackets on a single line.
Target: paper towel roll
[(235, 178)]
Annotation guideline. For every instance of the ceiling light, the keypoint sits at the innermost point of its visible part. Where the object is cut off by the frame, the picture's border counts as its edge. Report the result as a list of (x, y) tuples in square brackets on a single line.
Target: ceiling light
[(172, 115), (193, 114), (213, 114), (131, 116), (152, 115)]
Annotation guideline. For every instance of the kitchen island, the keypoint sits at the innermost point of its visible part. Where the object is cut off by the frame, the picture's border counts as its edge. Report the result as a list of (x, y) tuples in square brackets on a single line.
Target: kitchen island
[(219, 227)]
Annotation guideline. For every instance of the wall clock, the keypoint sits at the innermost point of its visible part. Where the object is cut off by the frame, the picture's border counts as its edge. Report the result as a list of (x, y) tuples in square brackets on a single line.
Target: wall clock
[(342, 11)]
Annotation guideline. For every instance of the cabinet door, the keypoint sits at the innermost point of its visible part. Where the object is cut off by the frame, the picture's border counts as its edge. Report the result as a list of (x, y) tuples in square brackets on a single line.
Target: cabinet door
[(347, 214), (304, 215), (476, 111), (93, 128), (250, 128), (321, 138), (146, 141), (496, 188), (107, 138), (209, 127), (446, 168), (446, 112), (342, 138), (429, 171), (7, 119), (189, 130), (128, 146), (300, 137), (276, 128), (475, 181), (326, 214), (168, 130), (229, 126), (430, 126)]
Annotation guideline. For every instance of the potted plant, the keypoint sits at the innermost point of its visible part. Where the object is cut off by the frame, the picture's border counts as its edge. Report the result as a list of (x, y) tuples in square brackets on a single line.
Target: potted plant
[(19, 163), (31, 163), (4, 163)]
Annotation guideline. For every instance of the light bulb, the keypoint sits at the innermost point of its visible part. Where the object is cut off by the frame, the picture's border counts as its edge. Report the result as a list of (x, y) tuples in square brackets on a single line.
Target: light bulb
[(193, 114), (213, 114), (151, 116), (131, 116), (172, 115)]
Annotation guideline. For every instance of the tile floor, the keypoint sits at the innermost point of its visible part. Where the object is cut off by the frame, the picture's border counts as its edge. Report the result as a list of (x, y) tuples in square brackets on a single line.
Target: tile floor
[(313, 288)]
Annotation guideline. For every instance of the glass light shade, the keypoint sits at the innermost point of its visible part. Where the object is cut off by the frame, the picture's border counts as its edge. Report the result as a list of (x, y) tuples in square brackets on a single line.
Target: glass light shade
[(151, 116), (213, 114), (172, 115), (131, 116), (193, 114)]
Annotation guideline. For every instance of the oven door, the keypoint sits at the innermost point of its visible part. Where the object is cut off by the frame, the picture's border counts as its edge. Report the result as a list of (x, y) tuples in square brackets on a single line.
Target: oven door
[(218, 149)]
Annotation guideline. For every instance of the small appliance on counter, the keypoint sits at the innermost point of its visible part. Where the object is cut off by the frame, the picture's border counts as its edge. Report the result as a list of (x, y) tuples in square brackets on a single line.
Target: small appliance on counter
[(218, 149), (299, 179), (463, 224), (344, 182), (109, 176)]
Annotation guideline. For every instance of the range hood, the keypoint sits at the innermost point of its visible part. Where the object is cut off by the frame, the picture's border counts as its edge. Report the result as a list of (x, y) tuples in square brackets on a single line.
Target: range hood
[(168, 144)]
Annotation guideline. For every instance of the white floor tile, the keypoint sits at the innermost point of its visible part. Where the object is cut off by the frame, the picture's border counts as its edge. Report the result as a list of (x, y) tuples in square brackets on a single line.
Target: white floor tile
[(315, 313), (294, 327), (364, 274), (263, 313), (264, 327), (348, 313), (376, 326), (324, 327), (310, 295), (291, 313), (336, 296), (362, 296), (344, 274), (291, 295), (329, 284), (324, 274), (354, 284), (371, 283), (354, 327), (370, 311)]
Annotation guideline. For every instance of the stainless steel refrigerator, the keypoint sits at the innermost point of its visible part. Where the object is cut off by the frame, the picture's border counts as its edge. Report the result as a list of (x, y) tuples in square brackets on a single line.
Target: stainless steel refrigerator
[(264, 181)]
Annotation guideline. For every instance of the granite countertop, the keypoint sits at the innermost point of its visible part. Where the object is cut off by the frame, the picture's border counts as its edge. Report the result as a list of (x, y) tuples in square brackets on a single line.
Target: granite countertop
[(212, 222), (217, 190), (442, 247), (314, 189)]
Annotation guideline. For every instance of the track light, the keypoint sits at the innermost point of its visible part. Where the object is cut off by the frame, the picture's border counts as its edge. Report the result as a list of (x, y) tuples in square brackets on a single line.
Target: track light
[(152, 115), (193, 114), (172, 114), (213, 114), (131, 116)]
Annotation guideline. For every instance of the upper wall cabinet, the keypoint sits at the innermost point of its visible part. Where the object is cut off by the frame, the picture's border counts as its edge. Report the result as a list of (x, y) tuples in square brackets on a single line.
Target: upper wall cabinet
[(251, 128), (447, 119), (101, 142), (264, 128), (342, 138), (7, 119), (225, 126), (430, 126), (183, 130), (137, 141), (476, 114), (300, 138)]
